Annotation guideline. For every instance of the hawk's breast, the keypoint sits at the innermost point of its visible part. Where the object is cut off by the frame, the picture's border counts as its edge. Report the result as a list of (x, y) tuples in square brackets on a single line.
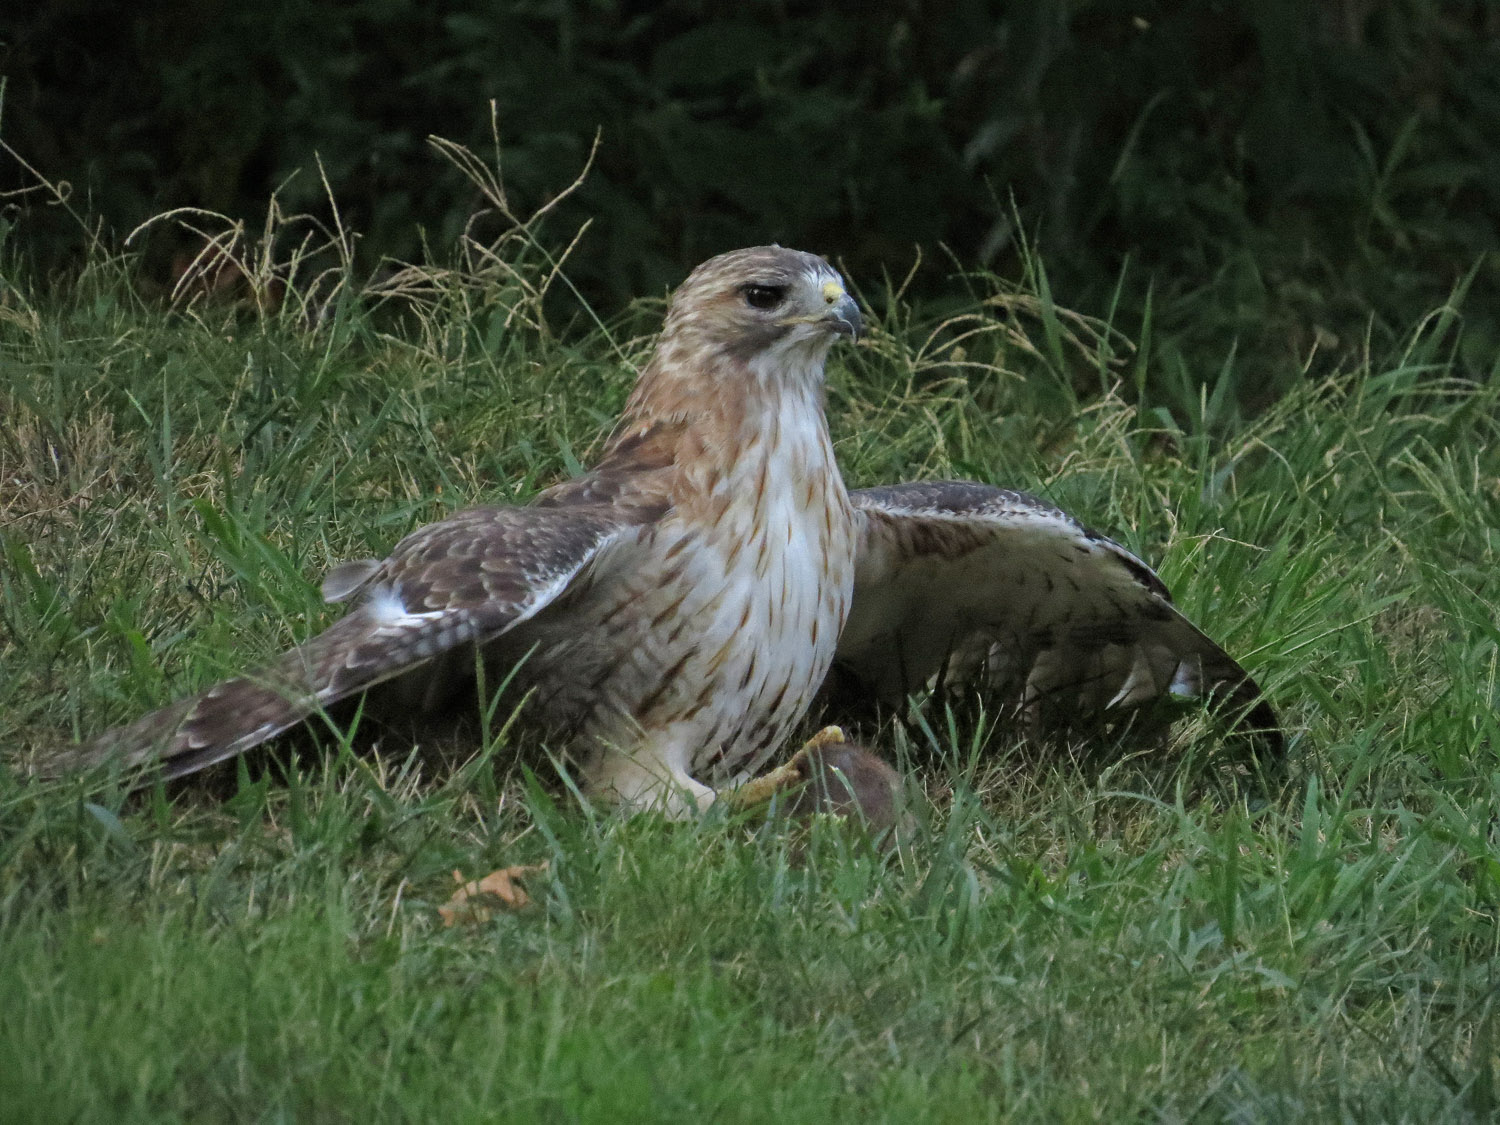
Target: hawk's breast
[(719, 622)]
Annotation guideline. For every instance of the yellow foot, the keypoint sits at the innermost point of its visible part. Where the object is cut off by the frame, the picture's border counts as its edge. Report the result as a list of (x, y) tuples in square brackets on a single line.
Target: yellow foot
[(759, 790), (830, 774)]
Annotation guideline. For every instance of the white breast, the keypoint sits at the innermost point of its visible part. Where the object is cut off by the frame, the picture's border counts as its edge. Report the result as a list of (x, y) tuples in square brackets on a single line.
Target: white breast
[(776, 575)]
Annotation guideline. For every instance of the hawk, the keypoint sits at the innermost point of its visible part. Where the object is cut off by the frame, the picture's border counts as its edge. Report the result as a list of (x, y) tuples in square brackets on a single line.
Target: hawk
[(674, 610)]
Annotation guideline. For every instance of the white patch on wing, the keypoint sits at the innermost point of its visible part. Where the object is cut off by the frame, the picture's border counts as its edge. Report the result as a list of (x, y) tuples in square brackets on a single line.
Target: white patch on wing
[(1188, 680), (385, 606), (427, 633)]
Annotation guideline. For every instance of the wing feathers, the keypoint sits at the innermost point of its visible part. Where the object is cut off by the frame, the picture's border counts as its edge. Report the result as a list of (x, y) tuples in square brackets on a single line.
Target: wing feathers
[(464, 580), (961, 580), (346, 578), (241, 713)]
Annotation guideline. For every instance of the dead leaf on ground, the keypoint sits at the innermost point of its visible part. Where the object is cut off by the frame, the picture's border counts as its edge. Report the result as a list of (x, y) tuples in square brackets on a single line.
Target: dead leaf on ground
[(475, 902)]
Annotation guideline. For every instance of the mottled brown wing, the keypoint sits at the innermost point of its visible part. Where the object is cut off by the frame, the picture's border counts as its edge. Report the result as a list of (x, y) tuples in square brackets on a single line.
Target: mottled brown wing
[(968, 581), (464, 580)]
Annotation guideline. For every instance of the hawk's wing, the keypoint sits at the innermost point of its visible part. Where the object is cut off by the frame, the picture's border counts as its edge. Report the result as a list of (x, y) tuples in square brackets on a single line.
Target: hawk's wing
[(960, 580), (464, 580)]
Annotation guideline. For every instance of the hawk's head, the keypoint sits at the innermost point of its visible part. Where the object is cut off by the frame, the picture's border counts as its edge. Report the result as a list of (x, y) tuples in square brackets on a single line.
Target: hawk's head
[(764, 301), (745, 339)]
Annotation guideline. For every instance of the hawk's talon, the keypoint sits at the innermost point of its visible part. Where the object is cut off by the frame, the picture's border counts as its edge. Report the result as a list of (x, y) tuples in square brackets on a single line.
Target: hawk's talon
[(759, 790), (834, 776)]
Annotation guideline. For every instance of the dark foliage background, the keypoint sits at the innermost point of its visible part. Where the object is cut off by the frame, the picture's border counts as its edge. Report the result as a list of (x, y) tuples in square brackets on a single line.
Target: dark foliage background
[(1284, 173)]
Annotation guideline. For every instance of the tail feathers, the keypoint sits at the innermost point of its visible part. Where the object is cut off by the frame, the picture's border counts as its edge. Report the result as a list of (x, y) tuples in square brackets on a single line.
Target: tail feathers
[(239, 714)]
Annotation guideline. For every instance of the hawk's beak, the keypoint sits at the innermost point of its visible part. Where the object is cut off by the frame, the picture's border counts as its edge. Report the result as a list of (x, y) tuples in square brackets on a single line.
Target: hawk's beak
[(843, 314)]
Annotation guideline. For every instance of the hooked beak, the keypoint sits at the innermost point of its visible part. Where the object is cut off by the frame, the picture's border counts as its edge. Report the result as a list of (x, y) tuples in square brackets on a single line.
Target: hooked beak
[(843, 314)]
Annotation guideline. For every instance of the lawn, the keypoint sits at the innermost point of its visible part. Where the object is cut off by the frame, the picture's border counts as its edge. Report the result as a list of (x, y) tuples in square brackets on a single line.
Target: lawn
[(1120, 931)]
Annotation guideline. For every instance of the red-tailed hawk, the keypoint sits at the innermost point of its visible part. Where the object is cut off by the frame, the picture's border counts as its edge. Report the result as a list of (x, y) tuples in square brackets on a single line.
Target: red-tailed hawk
[(674, 610)]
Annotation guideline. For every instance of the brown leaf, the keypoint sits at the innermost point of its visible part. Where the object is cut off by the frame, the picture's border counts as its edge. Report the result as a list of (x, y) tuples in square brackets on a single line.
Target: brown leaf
[(474, 902)]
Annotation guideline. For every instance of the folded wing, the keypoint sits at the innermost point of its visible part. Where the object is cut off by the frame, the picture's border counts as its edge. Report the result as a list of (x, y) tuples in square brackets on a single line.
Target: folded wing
[(958, 581), (462, 581)]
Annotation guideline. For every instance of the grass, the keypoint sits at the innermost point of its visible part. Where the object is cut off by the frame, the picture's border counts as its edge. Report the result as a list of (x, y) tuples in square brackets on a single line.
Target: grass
[(1073, 933)]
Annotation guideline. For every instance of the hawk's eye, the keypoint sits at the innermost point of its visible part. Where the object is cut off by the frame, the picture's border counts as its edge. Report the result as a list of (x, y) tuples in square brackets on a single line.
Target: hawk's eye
[(764, 296)]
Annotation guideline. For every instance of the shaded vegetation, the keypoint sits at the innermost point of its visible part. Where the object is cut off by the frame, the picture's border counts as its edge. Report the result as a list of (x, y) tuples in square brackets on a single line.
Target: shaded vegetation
[(1293, 177)]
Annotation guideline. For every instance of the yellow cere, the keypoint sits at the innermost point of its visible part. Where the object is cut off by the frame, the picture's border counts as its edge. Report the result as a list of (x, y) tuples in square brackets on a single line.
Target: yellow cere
[(832, 292)]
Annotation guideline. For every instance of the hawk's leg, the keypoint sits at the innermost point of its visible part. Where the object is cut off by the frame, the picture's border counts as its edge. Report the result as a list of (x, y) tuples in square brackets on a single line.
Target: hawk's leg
[(654, 776)]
